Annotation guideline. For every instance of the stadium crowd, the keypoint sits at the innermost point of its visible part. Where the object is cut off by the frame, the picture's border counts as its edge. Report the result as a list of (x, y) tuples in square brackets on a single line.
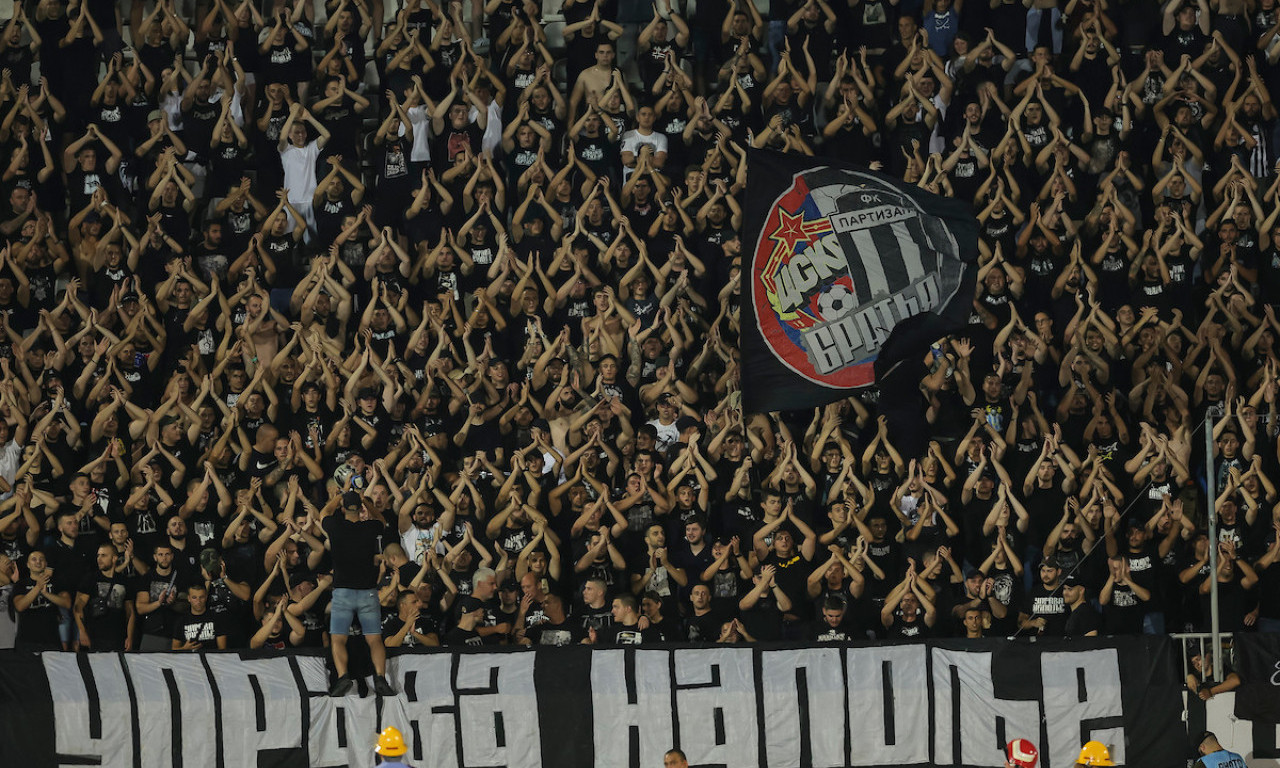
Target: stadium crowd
[(473, 276)]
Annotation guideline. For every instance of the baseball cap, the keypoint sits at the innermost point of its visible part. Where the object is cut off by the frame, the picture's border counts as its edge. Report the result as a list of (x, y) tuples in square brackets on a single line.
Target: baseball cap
[(1022, 753), (1072, 581), (469, 604), (155, 114), (1051, 562), (972, 573), (510, 585), (368, 392)]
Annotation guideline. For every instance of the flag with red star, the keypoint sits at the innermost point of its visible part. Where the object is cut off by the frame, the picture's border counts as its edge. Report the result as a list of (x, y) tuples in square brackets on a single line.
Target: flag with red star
[(843, 262)]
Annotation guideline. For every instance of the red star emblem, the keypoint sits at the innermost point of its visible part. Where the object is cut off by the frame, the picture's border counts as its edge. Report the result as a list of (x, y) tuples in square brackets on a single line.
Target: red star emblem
[(790, 229)]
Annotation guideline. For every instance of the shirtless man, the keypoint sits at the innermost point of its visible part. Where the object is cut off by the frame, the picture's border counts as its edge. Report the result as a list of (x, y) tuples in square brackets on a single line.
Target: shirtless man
[(263, 326), (596, 79)]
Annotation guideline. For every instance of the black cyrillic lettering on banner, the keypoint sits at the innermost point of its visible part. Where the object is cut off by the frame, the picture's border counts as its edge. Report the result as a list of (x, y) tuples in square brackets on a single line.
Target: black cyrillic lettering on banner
[(305, 701), (886, 673), (219, 749), (415, 732), (739, 707), (802, 698), (136, 726), (629, 674), (675, 709), (27, 726), (259, 704), (562, 707), (91, 690), (175, 715), (633, 746), (956, 728), (760, 712)]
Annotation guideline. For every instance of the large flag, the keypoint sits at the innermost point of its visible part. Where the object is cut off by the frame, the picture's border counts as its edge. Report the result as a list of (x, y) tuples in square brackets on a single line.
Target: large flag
[(850, 272), (1258, 660)]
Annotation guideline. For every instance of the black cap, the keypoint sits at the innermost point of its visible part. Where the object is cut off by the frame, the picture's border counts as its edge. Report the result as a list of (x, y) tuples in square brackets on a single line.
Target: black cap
[(971, 573), (469, 604), (510, 585), (368, 392), (1051, 562), (1072, 581)]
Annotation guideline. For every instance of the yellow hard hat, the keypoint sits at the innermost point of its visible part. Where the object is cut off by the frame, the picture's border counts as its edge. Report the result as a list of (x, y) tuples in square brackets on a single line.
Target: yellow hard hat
[(1095, 753), (391, 743)]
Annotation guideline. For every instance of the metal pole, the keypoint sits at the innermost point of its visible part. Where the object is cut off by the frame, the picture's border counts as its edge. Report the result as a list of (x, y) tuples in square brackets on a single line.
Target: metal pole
[(1212, 482)]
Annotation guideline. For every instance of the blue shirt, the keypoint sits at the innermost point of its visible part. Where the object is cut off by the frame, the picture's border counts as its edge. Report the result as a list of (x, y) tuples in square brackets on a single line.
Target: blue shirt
[(1220, 759)]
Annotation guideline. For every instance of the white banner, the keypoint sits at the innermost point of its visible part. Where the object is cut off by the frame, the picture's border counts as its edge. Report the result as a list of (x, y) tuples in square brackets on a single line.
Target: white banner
[(771, 707)]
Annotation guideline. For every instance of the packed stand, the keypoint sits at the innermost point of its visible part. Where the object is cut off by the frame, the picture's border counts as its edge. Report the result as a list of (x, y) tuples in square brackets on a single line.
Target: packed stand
[(269, 265)]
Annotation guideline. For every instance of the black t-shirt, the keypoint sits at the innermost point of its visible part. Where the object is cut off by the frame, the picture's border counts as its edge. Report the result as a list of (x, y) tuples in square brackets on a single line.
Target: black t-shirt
[(566, 633), (460, 636), (161, 620), (1082, 621), (622, 634), (104, 614), (907, 630), (353, 546), (451, 142), (38, 625), (1047, 603), (205, 629), (426, 624), (1123, 615), (593, 618)]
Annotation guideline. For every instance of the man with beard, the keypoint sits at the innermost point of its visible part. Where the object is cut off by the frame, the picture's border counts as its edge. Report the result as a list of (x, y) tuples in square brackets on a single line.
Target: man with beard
[(1046, 611)]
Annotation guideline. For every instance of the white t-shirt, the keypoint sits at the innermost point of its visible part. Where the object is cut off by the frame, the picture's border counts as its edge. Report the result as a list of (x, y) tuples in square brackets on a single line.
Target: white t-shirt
[(300, 171), (667, 434), (10, 460), (632, 140), (420, 119), (492, 130), (417, 542)]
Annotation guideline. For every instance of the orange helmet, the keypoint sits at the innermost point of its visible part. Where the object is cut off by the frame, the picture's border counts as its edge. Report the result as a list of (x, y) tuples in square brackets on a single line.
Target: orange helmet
[(1095, 753), (391, 743)]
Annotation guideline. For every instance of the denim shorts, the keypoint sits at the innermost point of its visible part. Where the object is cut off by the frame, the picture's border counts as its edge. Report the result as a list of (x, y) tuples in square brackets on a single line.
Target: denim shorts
[(348, 605)]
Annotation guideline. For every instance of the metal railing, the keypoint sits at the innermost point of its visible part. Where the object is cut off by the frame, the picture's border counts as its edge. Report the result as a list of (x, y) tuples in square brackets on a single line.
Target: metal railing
[(1219, 645)]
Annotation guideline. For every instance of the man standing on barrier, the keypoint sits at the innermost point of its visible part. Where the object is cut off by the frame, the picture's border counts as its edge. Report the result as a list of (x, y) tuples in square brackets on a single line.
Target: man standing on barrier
[(354, 540)]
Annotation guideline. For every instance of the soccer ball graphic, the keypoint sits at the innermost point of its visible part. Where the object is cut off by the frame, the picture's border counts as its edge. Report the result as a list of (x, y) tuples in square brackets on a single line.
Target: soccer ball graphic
[(835, 302)]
